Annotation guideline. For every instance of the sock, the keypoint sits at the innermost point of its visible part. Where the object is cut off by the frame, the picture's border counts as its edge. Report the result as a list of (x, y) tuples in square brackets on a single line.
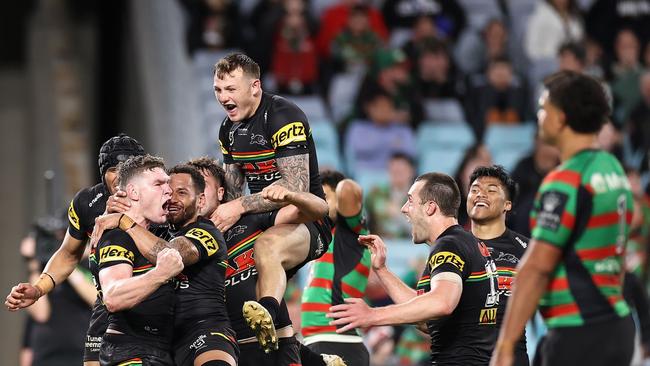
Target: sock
[(310, 357), (283, 318), (272, 306)]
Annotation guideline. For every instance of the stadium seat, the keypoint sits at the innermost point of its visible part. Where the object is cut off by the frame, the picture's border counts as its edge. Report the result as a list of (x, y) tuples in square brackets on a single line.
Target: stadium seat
[(327, 144), (369, 179), (342, 94), (312, 105), (443, 110), (509, 143), (441, 146)]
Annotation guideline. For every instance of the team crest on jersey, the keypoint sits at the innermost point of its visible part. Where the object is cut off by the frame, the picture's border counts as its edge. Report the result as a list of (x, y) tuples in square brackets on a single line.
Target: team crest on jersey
[(234, 231), (446, 257), (111, 253), (293, 132), (205, 238), (552, 207), (258, 139)]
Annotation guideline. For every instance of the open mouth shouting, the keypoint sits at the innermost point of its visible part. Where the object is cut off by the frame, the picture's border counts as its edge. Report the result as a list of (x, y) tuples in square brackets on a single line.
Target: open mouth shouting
[(231, 109)]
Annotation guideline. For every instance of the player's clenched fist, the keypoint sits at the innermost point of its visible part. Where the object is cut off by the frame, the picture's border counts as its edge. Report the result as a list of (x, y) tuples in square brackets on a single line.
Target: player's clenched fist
[(276, 193), (169, 262)]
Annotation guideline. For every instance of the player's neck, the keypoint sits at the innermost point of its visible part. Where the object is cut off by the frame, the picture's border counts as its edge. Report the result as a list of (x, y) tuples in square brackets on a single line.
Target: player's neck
[(192, 220), (439, 226), (136, 215), (573, 143), (489, 230)]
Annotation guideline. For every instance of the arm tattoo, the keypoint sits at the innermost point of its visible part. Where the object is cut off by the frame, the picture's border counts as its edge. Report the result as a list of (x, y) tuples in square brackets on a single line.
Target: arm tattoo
[(186, 249), (234, 181), (295, 177), (158, 246)]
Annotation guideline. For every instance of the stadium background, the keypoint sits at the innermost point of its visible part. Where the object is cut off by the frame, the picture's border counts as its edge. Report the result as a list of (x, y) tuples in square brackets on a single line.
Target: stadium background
[(73, 73)]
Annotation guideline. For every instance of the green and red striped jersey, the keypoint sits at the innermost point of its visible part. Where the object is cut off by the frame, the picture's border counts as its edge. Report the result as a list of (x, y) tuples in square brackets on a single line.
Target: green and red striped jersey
[(584, 207), (341, 272)]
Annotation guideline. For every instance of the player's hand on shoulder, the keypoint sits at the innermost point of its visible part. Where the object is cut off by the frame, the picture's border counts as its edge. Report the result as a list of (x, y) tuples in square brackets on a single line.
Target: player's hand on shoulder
[(377, 250), (169, 262), (103, 223), (117, 203), (226, 215), (276, 193)]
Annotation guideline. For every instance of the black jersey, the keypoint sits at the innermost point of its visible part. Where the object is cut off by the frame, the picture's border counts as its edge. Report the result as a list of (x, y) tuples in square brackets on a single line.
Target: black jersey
[(151, 321), (277, 129), (87, 204), (466, 337), (241, 275), (506, 251), (201, 293)]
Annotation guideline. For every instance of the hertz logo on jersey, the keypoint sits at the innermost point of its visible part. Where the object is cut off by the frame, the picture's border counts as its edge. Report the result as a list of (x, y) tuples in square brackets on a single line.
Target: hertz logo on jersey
[(488, 316), (446, 257), (205, 238), (112, 253), (72, 216), (293, 132)]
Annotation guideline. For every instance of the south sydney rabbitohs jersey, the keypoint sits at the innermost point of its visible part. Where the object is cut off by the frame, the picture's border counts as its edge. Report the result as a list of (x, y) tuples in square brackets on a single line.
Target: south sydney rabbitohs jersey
[(200, 292), (466, 337), (151, 321), (241, 274), (277, 129), (584, 208)]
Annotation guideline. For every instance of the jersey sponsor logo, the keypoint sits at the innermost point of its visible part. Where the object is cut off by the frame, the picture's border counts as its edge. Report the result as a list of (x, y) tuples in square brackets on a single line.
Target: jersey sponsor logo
[(488, 316), (72, 216), (205, 238), (552, 207), (182, 281), (258, 140), (112, 253), (293, 132), (521, 242), (446, 257), (241, 262), (223, 149), (603, 183), (483, 249), (199, 342)]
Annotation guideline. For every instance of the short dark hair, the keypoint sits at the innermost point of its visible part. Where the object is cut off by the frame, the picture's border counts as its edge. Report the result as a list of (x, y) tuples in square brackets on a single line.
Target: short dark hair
[(582, 99), (576, 49), (443, 190), (497, 171), (197, 178), (211, 166), (135, 166), (234, 61), (331, 178)]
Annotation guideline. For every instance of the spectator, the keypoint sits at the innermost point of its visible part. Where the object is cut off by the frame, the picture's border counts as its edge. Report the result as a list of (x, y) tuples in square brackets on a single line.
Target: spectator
[(606, 18), (435, 74), (384, 202), (529, 173), (372, 142), (475, 156), (390, 75), (572, 56), (335, 18), (355, 46), (638, 125), (295, 61), (500, 98), (594, 59), (625, 74), (448, 15), (213, 25), (646, 56), (552, 23), (494, 45), (423, 31), (263, 21)]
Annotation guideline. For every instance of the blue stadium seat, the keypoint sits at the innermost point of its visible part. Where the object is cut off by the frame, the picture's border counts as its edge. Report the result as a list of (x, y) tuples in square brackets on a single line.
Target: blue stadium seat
[(509, 143), (327, 143), (369, 179), (443, 110), (441, 146), (312, 105)]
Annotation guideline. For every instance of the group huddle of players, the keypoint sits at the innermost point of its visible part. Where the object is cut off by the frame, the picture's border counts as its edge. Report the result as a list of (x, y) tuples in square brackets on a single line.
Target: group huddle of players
[(192, 271)]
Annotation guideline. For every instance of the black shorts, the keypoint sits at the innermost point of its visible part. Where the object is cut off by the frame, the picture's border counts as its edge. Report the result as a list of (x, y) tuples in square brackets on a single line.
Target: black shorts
[(320, 236), (205, 337), (606, 343), (120, 350), (288, 354), (96, 329), (353, 354)]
